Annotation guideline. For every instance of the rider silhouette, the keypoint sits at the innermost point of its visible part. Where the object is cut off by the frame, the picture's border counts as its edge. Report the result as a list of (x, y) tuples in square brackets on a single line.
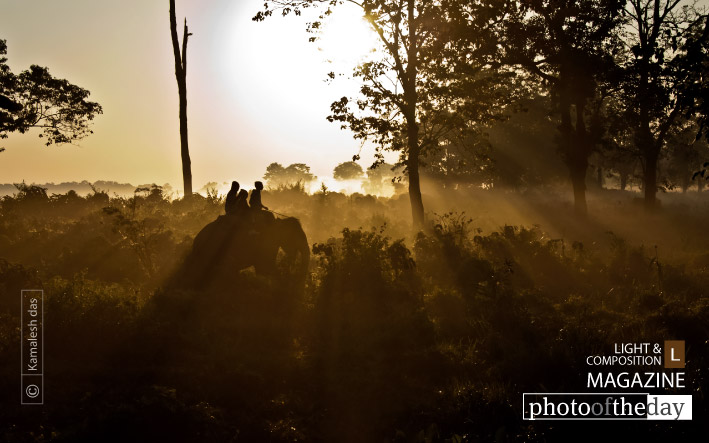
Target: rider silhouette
[(255, 199), (242, 207), (231, 197)]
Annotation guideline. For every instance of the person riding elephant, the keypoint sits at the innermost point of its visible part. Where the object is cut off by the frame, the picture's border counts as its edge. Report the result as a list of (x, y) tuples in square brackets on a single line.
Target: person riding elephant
[(231, 198), (255, 199), (241, 204), (261, 216)]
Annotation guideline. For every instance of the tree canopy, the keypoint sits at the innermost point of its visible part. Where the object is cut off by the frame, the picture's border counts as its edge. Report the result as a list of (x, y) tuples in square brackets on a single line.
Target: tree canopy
[(276, 175), (415, 95), (36, 99), (620, 78), (664, 63), (569, 47), (347, 171)]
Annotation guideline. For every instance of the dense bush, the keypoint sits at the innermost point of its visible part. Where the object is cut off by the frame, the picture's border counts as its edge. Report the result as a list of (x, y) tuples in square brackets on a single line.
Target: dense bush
[(393, 338)]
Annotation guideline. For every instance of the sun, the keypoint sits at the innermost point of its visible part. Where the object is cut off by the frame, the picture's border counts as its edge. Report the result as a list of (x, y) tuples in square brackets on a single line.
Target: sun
[(277, 50), (274, 84), (347, 38)]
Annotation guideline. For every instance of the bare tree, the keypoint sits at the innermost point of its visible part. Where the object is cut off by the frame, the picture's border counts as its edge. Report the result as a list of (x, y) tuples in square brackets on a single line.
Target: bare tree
[(181, 75)]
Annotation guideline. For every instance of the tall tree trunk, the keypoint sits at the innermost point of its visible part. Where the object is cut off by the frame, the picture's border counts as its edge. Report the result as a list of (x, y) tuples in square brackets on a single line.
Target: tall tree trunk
[(623, 180), (576, 162), (650, 150), (685, 181), (643, 137), (650, 179), (181, 75), (414, 183), (578, 182), (412, 128), (580, 154)]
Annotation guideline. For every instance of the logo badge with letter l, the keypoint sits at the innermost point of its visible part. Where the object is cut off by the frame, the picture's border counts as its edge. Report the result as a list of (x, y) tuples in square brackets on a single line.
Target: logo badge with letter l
[(674, 354)]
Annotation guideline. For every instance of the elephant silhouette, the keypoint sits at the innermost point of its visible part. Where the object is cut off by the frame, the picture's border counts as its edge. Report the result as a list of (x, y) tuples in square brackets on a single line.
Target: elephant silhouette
[(230, 243)]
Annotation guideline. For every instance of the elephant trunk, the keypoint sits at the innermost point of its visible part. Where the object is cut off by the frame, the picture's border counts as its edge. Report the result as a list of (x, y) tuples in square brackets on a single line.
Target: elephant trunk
[(304, 250), (295, 244)]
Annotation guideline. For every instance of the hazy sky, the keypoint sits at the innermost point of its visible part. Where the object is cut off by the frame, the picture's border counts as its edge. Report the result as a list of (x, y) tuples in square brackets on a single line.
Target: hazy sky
[(256, 91)]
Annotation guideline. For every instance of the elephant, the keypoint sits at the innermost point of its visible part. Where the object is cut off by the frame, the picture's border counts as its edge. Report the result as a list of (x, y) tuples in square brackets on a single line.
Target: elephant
[(231, 243)]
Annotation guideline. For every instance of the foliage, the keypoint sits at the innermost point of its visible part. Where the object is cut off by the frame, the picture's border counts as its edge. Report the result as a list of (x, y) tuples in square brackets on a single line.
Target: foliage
[(60, 108), (408, 339), (655, 62), (348, 171), (382, 177), (570, 47), (415, 96), (694, 62), (276, 175), (685, 153), (667, 51), (617, 77)]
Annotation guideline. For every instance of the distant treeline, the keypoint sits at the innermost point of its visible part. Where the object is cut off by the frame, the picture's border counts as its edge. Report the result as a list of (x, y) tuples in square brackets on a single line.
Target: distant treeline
[(85, 187)]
